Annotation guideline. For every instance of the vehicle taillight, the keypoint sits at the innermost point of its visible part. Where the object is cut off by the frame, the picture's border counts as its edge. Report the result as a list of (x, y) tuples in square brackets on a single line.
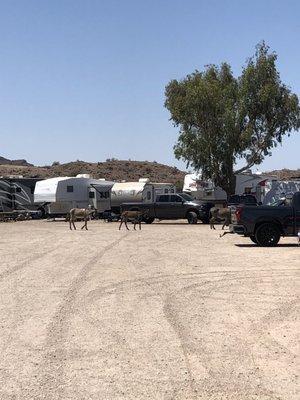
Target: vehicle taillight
[(238, 214)]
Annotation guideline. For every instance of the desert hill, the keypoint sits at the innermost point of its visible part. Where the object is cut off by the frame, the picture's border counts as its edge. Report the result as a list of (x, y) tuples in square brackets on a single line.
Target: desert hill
[(112, 169), (6, 161), (115, 170)]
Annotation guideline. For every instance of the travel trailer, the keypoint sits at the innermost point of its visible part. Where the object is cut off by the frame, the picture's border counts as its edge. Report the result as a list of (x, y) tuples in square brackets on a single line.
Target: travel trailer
[(246, 183), (57, 196), (16, 194), (275, 190), (253, 183), (141, 191), (201, 189)]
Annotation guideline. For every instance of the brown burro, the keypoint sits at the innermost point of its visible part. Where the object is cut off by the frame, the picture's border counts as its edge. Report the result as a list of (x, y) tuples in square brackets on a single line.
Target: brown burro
[(223, 214), (80, 213), (135, 216)]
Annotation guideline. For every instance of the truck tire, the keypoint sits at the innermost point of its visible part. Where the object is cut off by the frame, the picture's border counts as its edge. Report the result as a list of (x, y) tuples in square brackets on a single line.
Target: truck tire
[(192, 217), (252, 237), (148, 220), (267, 235)]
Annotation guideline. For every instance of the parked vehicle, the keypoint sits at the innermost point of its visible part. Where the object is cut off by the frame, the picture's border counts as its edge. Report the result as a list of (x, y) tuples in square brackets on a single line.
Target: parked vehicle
[(172, 207), (16, 194), (246, 183), (264, 225), (142, 191), (57, 196), (247, 199)]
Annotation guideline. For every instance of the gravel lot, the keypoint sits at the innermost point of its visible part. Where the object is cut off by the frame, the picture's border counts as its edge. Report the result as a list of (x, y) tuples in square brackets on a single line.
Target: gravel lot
[(170, 312)]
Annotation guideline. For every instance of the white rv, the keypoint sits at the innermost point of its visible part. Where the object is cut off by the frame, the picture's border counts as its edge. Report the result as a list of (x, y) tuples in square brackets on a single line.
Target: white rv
[(246, 183), (275, 190), (141, 191), (57, 196), (200, 189)]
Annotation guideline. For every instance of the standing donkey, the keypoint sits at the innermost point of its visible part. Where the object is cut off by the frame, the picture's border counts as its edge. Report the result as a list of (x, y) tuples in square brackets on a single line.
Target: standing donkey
[(82, 213), (136, 216)]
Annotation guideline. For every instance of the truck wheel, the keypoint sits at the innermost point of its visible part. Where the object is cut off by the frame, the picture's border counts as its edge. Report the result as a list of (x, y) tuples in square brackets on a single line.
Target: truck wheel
[(148, 220), (192, 217), (267, 235), (252, 237)]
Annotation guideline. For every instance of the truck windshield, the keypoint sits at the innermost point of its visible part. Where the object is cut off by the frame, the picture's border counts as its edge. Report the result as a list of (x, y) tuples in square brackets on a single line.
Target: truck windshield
[(186, 197)]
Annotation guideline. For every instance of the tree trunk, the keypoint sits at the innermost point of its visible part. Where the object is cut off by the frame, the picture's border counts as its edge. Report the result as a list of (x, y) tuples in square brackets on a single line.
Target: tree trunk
[(228, 179), (231, 185)]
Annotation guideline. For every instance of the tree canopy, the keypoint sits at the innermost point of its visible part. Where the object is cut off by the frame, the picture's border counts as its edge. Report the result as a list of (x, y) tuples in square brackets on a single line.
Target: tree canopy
[(223, 119)]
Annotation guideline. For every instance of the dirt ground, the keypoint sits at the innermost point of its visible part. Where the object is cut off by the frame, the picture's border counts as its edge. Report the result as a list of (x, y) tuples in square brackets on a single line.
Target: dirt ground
[(171, 312)]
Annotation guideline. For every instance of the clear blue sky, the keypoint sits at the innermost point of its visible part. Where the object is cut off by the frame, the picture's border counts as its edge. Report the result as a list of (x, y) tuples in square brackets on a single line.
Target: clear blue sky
[(85, 79)]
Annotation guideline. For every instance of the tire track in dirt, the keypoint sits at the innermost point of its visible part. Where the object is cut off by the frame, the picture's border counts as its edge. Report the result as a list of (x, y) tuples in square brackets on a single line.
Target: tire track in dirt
[(27, 263), (50, 374), (231, 276), (186, 339)]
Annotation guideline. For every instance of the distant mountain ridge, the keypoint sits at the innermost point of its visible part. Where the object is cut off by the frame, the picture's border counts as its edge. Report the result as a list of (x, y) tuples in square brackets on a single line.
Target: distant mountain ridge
[(6, 161), (112, 169)]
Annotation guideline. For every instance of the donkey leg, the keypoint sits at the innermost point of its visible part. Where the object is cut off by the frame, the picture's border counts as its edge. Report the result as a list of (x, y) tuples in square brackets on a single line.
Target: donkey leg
[(126, 224), (121, 223)]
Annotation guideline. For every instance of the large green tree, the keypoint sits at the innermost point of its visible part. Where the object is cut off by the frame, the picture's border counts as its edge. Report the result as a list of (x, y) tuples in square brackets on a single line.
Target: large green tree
[(224, 119)]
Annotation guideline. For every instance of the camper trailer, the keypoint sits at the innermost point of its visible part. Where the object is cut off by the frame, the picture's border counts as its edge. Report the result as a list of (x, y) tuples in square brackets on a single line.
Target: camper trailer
[(16, 194), (141, 191), (201, 189), (275, 190), (246, 183), (253, 183), (57, 196)]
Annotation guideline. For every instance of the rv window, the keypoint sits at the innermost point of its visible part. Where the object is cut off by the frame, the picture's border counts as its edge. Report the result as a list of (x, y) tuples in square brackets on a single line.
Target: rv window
[(70, 189), (172, 191), (104, 195), (163, 199), (91, 195), (166, 190)]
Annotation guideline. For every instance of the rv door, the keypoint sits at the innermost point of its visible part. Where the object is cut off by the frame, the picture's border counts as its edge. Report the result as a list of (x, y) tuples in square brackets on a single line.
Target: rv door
[(92, 195), (148, 195)]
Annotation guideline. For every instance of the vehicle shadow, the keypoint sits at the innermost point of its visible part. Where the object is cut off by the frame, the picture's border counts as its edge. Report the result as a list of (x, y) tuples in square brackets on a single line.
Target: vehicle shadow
[(278, 245), (177, 223)]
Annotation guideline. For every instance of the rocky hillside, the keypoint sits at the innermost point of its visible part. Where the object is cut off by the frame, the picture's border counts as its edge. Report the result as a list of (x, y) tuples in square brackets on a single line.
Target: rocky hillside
[(115, 170), (286, 174), (6, 161)]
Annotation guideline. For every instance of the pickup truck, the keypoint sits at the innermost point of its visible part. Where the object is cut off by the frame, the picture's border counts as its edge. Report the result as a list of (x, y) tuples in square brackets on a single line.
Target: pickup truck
[(264, 225), (173, 206)]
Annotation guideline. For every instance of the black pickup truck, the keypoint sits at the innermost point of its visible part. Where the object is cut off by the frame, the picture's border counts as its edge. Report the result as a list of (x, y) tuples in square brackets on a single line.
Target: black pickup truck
[(172, 206), (264, 225)]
